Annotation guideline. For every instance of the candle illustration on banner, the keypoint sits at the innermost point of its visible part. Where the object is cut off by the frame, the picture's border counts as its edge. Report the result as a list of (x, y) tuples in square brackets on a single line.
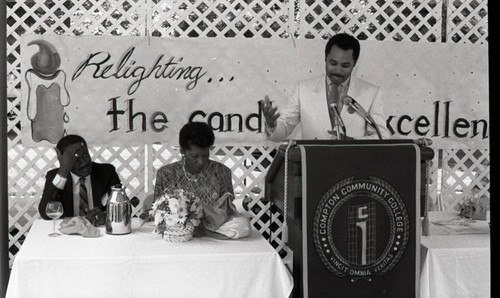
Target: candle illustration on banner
[(47, 94)]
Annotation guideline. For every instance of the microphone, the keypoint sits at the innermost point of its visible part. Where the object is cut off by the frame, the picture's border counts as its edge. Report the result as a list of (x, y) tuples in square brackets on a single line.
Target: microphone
[(339, 121), (359, 109), (362, 112)]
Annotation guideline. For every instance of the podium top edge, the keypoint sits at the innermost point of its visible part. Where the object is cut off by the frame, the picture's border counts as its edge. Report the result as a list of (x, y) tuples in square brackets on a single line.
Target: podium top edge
[(356, 142), (426, 153)]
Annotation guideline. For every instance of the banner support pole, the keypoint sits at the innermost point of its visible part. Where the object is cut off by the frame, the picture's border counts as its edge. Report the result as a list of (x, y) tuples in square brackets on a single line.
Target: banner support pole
[(4, 203)]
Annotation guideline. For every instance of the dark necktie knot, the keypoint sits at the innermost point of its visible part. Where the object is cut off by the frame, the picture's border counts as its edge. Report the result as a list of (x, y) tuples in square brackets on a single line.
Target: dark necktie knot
[(335, 94)]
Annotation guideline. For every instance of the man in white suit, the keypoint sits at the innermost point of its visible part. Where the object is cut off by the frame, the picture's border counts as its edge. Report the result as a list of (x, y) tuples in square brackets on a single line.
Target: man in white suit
[(317, 103)]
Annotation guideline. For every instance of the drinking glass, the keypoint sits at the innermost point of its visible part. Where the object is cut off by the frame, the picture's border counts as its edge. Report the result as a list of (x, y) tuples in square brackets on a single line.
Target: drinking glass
[(471, 200), (54, 210)]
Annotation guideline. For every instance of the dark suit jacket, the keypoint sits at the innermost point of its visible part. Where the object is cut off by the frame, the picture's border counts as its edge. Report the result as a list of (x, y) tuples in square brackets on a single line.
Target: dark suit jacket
[(103, 176)]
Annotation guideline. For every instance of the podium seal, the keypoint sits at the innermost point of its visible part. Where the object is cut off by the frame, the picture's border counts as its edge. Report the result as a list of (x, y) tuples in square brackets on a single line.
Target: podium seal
[(360, 228)]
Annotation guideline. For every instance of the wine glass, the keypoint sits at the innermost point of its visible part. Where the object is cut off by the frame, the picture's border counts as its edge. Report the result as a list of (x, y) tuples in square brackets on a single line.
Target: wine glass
[(54, 210)]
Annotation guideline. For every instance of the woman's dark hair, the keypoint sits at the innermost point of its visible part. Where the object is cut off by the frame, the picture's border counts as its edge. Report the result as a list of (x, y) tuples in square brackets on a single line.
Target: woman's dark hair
[(69, 140), (345, 42), (199, 134)]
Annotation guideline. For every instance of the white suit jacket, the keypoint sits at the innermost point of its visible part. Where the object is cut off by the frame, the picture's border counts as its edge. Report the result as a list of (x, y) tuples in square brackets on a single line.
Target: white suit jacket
[(308, 106)]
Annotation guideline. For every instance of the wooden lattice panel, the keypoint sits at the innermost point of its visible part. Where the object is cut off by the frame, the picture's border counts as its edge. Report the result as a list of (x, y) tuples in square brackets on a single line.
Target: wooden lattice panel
[(119, 18), (461, 171), (467, 21), (27, 168), (94, 17), (130, 163), (372, 20), (228, 18)]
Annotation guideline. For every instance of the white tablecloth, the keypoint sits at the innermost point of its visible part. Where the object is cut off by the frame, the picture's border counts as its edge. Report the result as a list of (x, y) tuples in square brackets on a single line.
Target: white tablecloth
[(142, 264), (456, 265)]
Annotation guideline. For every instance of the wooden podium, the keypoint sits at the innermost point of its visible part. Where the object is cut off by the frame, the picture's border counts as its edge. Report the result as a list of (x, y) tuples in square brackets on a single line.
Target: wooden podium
[(353, 211)]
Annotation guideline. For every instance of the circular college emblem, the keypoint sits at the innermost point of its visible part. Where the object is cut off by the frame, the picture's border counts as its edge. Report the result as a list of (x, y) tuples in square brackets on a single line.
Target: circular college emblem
[(360, 228)]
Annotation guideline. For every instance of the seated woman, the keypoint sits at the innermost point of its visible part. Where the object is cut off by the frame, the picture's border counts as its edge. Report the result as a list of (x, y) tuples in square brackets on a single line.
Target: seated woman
[(195, 172)]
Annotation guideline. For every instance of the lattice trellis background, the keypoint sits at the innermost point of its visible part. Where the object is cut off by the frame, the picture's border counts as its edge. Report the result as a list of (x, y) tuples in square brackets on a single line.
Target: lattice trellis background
[(452, 172)]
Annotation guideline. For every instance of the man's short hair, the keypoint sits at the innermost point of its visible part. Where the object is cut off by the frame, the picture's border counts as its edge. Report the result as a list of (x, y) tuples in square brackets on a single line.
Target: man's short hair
[(199, 134), (69, 140), (345, 42)]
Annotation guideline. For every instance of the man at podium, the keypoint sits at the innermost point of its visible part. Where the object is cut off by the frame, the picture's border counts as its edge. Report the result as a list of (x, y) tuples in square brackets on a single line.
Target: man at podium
[(334, 105)]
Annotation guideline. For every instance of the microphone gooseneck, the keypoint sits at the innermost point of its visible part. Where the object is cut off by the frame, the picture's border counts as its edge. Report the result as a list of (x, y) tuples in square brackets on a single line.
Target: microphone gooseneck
[(363, 113), (340, 122)]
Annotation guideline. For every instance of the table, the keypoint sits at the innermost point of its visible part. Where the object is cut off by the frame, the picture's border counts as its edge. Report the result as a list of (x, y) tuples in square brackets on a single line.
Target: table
[(455, 265), (142, 264)]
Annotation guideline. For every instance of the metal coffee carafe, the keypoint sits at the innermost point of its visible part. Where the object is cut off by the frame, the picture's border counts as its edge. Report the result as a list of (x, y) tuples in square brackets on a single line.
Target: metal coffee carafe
[(118, 212)]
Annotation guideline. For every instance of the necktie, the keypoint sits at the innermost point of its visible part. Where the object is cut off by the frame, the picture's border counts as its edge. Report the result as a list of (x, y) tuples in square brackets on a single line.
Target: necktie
[(335, 94), (84, 200), (333, 98)]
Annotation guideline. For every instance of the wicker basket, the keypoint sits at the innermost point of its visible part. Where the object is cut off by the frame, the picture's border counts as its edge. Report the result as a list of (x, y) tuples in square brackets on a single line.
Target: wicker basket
[(179, 233)]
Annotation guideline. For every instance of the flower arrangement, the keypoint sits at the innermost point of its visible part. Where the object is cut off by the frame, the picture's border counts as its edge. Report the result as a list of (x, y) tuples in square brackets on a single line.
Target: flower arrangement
[(176, 213)]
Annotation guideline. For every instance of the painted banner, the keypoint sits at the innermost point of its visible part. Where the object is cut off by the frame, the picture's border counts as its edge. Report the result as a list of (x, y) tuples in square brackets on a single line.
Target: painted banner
[(128, 91)]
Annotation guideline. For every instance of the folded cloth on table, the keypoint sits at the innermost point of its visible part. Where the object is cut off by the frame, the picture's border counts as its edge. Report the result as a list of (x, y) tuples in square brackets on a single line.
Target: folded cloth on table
[(223, 221), (236, 228), (79, 225)]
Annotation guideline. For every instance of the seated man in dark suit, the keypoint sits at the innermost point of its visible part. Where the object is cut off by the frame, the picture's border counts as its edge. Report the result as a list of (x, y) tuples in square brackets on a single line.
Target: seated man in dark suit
[(80, 184)]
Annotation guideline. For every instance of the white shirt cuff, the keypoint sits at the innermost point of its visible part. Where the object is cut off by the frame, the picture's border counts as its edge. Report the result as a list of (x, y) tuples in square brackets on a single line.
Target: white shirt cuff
[(59, 181)]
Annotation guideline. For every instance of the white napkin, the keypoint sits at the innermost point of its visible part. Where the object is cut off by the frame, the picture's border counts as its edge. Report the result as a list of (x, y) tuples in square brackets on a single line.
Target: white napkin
[(79, 225), (235, 227)]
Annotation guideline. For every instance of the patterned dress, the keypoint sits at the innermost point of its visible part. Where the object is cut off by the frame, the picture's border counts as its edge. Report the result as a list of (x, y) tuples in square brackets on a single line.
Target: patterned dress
[(209, 185)]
